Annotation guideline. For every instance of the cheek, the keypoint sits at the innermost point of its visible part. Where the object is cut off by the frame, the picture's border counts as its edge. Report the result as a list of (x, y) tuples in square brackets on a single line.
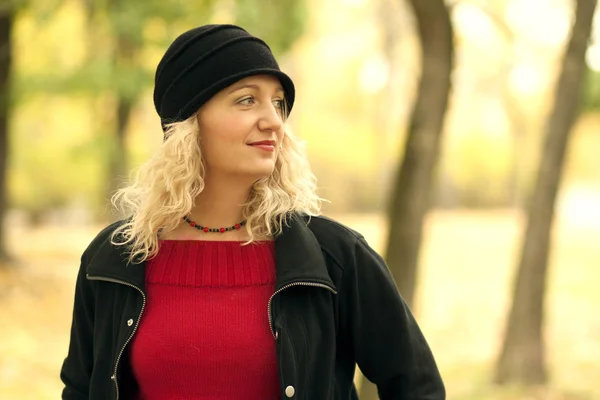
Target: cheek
[(232, 125), (224, 130), (217, 148)]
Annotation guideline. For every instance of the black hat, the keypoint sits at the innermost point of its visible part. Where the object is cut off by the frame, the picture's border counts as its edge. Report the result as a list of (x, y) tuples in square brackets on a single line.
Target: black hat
[(204, 60)]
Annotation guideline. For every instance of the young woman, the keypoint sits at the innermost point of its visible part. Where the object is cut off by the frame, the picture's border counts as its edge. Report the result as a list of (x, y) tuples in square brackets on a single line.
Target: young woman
[(224, 283)]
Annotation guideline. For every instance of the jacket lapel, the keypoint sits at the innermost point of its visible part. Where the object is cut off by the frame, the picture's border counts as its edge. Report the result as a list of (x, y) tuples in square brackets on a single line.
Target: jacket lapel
[(298, 258), (111, 262), (298, 255)]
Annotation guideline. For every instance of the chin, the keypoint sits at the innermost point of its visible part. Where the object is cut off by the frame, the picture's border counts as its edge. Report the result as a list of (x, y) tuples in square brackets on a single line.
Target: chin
[(254, 170), (264, 174), (259, 173)]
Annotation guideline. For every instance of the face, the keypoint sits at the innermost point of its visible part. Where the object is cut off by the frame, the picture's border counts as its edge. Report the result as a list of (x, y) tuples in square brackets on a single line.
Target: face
[(241, 128)]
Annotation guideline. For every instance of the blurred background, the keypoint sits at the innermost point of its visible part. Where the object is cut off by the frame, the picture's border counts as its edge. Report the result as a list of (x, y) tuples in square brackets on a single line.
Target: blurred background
[(462, 138)]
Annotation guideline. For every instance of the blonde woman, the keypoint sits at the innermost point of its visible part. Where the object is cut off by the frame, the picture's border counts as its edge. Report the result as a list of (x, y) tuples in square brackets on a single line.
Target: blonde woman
[(224, 283)]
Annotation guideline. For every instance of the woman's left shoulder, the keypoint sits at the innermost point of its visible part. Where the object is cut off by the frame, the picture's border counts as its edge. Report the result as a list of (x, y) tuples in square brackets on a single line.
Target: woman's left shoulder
[(332, 234), (346, 245)]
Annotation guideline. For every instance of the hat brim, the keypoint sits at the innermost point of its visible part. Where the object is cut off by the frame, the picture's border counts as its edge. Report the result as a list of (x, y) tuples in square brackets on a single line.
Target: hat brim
[(209, 92)]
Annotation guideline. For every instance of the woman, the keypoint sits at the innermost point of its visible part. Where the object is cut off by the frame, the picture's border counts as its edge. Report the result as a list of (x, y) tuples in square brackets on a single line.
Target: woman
[(224, 283)]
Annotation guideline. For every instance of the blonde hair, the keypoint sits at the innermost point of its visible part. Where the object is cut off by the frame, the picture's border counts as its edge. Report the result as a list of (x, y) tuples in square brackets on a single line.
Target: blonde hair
[(166, 185)]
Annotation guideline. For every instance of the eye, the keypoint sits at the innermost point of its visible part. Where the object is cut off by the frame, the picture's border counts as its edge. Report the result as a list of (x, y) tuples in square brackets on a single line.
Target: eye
[(247, 101), (279, 105)]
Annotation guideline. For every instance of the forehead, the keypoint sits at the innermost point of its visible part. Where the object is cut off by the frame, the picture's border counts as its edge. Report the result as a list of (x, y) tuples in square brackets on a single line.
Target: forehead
[(261, 82)]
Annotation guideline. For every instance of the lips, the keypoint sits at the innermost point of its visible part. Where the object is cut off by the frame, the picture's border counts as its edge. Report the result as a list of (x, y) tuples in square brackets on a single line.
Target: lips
[(267, 145), (263, 143)]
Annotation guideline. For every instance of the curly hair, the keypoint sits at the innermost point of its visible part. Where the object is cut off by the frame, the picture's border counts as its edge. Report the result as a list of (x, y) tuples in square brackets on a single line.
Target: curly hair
[(166, 185)]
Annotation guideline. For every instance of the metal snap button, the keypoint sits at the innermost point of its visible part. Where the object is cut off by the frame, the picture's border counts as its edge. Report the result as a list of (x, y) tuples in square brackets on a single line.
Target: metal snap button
[(290, 391), (129, 322)]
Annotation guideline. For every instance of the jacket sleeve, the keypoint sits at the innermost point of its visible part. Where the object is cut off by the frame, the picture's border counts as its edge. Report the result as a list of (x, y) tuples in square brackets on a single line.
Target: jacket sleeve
[(387, 343), (77, 366)]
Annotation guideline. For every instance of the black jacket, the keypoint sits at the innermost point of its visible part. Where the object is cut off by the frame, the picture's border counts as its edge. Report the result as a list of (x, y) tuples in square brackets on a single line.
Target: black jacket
[(335, 305)]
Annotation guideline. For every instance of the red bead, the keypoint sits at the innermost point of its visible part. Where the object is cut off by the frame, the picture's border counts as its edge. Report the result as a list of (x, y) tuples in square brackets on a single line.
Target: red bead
[(222, 230), (205, 229), (237, 226), (192, 224)]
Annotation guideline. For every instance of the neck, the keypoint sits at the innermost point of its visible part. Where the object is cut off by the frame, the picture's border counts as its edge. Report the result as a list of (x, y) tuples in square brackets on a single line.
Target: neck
[(220, 204)]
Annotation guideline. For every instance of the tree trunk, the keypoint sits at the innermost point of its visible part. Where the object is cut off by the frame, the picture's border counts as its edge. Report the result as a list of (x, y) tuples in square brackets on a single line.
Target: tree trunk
[(411, 196), (522, 355), (118, 161), (6, 19), (123, 57)]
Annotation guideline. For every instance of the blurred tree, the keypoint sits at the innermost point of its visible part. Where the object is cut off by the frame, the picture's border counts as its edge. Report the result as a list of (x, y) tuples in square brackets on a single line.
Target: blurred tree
[(7, 11), (112, 78), (522, 355), (411, 193), (286, 21), (390, 16), (11, 95), (499, 83), (116, 63), (591, 90)]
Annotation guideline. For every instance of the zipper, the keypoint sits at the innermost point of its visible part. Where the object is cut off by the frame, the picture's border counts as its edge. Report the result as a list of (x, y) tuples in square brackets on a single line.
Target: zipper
[(98, 278), (313, 284)]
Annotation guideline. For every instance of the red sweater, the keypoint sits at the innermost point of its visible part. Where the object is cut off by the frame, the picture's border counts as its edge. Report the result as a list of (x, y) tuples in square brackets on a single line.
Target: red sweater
[(204, 334)]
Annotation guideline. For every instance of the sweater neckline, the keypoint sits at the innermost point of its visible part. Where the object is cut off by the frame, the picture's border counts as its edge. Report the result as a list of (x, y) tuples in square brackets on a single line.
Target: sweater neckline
[(208, 241), (212, 263)]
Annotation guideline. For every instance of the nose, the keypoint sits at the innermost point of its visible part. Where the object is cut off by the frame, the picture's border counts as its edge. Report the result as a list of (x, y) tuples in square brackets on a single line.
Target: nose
[(270, 119)]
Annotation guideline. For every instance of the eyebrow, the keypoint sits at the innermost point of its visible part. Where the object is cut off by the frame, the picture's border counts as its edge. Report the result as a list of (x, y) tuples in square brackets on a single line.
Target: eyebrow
[(251, 86)]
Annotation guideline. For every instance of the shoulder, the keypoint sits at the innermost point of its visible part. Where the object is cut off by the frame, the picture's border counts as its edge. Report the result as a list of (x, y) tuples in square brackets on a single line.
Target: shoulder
[(348, 253), (327, 230), (103, 238), (335, 238)]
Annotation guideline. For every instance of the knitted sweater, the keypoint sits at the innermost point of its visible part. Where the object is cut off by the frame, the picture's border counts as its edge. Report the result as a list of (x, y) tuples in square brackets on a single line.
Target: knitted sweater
[(204, 334)]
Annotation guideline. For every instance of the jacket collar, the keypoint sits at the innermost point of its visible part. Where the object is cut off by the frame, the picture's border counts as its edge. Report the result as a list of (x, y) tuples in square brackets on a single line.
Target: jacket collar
[(298, 258)]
